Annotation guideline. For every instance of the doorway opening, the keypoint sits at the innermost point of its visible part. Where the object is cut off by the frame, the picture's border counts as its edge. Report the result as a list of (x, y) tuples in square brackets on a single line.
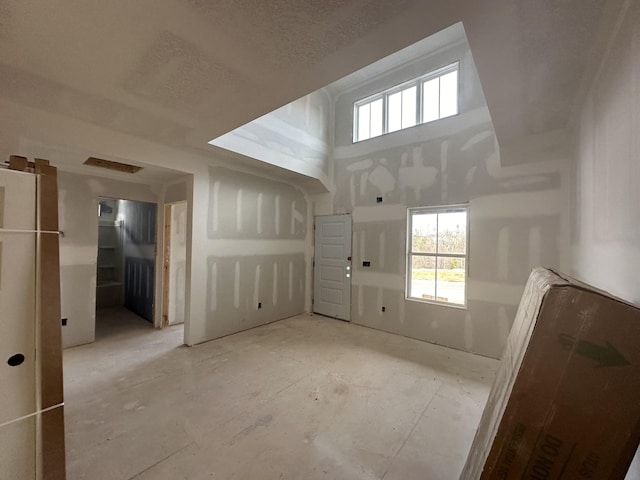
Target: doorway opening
[(174, 264), (125, 276)]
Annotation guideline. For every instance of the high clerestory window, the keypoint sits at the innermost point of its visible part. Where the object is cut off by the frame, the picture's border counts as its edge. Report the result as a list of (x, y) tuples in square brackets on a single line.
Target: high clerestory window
[(437, 254), (424, 99)]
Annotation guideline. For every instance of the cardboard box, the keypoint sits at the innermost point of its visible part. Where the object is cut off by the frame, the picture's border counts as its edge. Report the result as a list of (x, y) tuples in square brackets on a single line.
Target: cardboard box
[(566, 399)]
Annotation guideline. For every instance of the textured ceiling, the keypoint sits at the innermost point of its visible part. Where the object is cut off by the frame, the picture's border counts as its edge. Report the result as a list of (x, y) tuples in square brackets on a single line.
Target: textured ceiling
[(180, 72)]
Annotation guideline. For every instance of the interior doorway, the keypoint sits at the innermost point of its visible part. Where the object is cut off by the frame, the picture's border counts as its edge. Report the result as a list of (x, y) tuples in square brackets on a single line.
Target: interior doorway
[(174, 263), (125, 270)]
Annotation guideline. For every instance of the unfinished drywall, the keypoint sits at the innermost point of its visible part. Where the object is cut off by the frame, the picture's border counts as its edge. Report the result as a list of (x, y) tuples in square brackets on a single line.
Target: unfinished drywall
[(517, 214), (294, 137), (177, 263), (253, 251), (176, 191), (78, 209), (605, 242), (175, 197)]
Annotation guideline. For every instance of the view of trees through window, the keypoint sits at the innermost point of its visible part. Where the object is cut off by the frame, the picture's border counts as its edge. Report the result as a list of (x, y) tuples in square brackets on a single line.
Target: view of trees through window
[(438, 254)]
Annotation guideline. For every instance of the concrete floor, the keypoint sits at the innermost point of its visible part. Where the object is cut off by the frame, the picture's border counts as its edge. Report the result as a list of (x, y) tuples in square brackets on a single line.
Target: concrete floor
[(303, 398)]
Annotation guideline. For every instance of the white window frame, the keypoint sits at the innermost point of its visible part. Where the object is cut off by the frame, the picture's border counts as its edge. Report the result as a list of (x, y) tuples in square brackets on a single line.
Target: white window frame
[(419, 84), (411, 254)]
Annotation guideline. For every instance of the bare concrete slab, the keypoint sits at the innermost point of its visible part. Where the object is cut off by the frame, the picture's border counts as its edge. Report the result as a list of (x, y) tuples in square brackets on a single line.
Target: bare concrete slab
[(307, 397)]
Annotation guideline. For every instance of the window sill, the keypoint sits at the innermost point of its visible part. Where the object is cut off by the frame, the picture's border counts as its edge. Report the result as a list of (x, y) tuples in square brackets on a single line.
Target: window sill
[(407, 129), (457, 306)]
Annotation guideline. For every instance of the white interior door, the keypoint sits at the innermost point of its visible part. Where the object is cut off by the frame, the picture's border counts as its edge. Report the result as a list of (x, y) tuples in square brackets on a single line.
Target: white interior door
[(332, 270)]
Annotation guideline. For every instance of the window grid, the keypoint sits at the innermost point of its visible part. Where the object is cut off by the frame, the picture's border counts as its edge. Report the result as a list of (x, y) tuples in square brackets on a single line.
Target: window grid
[(436, 254), (419, 84)]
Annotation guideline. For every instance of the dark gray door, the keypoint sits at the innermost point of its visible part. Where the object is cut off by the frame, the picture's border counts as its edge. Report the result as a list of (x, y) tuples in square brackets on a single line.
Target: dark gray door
[(139, 232)]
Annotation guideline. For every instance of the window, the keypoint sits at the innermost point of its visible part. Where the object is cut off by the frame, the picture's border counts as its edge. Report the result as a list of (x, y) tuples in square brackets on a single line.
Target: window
[(437, 254), (430, 97)]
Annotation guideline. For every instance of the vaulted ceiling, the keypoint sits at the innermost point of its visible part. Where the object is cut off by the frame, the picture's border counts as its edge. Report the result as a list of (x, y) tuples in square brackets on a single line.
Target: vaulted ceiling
[(121, 77)]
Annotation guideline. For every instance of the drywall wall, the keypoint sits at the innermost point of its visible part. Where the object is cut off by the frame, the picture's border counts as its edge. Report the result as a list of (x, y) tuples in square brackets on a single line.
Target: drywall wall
[(518, 215), (251, 238), (294, 137), (176, 191), (18, 212), (175, 197), (605, 231), (78, 210), (605, 237), (177, 263)]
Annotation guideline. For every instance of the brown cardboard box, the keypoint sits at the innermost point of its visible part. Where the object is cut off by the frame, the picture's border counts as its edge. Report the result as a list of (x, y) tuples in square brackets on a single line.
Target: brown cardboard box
[(566, 399)]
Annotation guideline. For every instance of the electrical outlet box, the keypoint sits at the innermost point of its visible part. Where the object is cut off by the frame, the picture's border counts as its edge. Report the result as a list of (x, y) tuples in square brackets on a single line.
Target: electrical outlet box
[(366, 264)]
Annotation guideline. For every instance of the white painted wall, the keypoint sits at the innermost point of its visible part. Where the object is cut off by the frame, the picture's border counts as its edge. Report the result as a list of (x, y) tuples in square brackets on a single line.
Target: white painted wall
[(518, 214), (78, 210), (605, 242)]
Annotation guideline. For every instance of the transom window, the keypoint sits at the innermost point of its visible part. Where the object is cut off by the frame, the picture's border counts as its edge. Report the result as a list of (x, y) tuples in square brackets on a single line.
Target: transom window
[(424, 99), (437, 254)]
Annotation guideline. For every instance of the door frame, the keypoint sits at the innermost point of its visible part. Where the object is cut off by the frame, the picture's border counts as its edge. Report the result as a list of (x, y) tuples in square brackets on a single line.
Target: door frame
[(166, 262), (167, 265), (155, 315)]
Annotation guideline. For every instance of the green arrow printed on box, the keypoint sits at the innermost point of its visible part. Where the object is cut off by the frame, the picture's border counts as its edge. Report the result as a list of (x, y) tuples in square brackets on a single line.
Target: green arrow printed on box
[(606, 355)]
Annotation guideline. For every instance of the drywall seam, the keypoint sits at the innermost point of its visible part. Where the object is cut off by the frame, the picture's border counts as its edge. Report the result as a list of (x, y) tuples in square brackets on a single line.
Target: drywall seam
[(518, 205), (259, 213), (427, 132), (495, 292), (379, 213), (376, 279), (250, 247)]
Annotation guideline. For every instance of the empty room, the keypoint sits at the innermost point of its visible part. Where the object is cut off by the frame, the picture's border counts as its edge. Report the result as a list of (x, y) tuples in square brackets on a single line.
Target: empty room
[(319, 239)]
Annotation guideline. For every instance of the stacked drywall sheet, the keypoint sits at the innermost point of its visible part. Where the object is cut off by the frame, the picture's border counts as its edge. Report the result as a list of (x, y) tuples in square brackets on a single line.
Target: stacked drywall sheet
[(17, 324), (566, 399), (31, 398)]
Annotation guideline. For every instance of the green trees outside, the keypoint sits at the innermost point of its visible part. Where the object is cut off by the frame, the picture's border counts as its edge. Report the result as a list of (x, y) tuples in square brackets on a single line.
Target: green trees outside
[(429, 240)]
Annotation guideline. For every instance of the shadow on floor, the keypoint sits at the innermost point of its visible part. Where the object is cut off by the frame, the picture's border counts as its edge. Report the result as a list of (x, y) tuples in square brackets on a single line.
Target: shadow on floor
[(118, 321)]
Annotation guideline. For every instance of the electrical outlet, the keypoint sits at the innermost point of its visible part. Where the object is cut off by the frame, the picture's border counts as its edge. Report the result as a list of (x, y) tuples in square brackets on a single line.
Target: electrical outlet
[(366, 264), (64, 322), (259, 305), (378, 199), (384, 309)]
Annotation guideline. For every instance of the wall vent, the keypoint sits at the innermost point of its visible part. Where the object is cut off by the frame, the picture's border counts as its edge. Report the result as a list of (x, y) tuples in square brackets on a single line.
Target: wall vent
[(120, 167)]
